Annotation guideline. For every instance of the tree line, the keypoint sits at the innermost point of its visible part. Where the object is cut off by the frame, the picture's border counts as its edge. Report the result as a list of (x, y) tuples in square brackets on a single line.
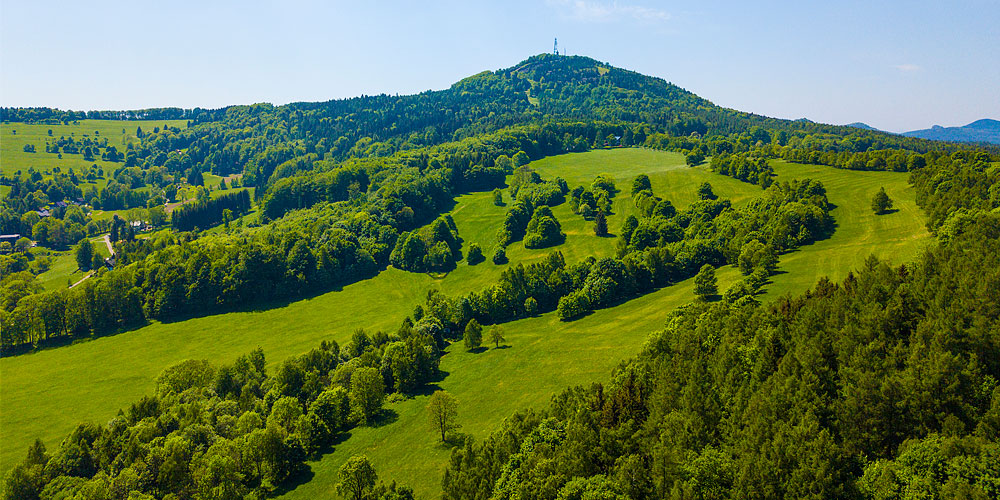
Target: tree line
[(657, 250), (209, 212)]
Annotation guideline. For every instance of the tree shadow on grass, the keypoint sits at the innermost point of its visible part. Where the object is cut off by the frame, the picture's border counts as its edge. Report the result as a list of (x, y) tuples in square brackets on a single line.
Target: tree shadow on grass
[(384, 417), (303, 475), (478, 350), (888, 211), (438, 377), (588, 313), (453, 439)]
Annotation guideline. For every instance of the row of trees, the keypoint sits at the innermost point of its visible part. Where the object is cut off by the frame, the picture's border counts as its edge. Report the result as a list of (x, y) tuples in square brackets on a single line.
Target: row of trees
[(209, 212), (654, 251), (747, 167)]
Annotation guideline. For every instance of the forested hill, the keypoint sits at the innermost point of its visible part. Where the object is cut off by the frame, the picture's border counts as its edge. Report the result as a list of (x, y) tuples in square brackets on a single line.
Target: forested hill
[(254, 139), (374, 168)]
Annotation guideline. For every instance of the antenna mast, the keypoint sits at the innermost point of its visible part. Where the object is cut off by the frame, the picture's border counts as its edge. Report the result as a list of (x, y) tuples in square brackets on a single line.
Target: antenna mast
[(555, 46)]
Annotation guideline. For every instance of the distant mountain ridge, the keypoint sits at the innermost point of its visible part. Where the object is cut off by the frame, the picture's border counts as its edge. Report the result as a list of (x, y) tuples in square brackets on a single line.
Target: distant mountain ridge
[(863, 126), (985, 130)]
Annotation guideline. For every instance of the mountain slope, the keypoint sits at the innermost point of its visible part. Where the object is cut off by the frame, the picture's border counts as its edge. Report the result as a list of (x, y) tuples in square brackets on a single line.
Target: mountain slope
[(985, 130)]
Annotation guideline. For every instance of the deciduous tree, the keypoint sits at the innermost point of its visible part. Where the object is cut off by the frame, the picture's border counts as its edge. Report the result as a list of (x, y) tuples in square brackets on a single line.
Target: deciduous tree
[(473, 335), (357, 478), (442, 410), (367, 393), (496, 335), (601, 224), (84, 254)]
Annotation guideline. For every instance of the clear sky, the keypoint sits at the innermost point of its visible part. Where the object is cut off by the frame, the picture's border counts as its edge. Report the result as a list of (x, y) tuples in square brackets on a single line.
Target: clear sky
[(896, 65)]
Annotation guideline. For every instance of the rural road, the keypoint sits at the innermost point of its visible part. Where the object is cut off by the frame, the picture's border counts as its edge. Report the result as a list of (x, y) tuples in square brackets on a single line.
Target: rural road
[(111, 252)]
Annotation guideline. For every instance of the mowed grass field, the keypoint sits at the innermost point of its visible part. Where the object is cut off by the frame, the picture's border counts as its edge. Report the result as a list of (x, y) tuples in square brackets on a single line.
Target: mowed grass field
[(898, 236), (45, 394), (13, 137)]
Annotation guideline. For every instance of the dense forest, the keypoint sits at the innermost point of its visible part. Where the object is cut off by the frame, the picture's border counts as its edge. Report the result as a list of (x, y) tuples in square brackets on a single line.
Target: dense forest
[(881, 386)]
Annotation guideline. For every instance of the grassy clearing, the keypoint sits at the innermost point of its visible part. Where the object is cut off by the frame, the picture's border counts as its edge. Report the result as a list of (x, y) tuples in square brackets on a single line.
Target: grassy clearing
[(13, 137), (63, 268), (43, 396), (898, 236)]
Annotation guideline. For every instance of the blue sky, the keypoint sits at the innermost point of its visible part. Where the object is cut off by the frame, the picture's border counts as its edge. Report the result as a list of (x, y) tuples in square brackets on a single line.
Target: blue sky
[(894, 65)]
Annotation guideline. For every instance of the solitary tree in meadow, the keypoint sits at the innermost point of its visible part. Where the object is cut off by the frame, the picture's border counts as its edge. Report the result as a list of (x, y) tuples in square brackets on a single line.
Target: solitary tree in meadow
[(496, 335), (473, 335), (475, 254), (499, 256), (881, 202), (442, 410)]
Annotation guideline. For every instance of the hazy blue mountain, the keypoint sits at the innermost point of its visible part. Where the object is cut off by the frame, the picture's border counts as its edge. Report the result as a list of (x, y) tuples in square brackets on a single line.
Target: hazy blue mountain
[(864, 126), (985, 130)]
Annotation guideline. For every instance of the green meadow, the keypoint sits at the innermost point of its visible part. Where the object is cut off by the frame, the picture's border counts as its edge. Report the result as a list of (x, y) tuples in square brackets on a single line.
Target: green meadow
[(46, 393), (898, 236), (14, 136)]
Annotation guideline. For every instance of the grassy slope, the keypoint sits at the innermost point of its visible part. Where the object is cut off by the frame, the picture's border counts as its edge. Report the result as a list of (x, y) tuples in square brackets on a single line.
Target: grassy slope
[(545, 356), (489, 385), (898, 236), (14, 157)]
